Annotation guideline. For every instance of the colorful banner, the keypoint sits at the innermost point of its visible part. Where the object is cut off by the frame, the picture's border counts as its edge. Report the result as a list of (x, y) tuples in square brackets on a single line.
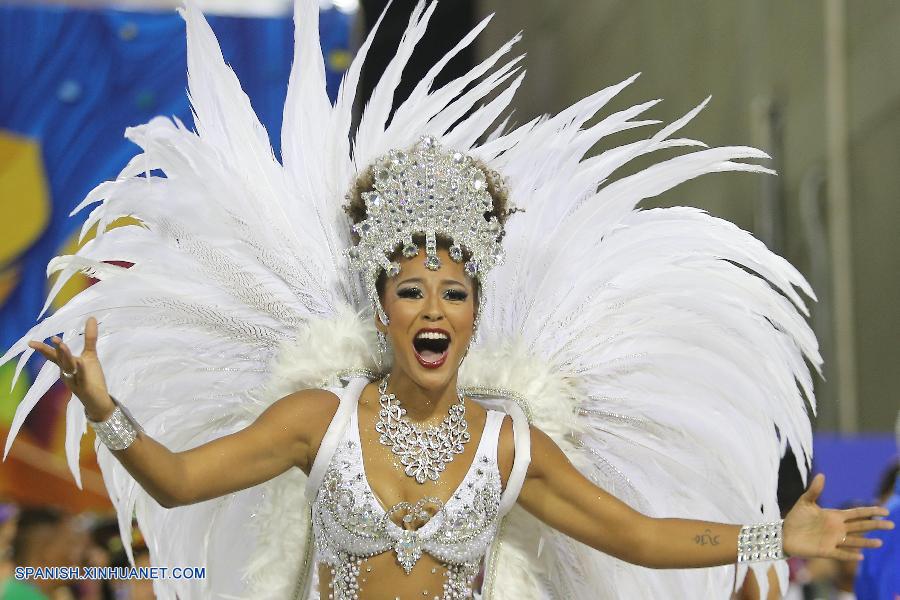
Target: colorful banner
[(71, 81)]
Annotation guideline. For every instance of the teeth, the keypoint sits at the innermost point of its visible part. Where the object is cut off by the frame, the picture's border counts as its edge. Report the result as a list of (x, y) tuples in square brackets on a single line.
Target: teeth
[(431, 335)]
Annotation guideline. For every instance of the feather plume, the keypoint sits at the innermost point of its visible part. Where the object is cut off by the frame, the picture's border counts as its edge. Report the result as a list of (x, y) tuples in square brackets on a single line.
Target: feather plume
[(644, 342)]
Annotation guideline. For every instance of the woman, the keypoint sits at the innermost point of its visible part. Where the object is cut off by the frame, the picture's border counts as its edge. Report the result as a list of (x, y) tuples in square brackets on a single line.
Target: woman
[(430, 309), (408, 478)]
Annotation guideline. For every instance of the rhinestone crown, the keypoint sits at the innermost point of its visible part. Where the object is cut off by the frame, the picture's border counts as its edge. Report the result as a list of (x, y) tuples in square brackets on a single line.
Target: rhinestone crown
[(428, 191)]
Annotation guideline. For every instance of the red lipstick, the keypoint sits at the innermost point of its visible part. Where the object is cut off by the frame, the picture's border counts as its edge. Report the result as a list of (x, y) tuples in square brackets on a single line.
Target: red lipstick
[(432, 350)]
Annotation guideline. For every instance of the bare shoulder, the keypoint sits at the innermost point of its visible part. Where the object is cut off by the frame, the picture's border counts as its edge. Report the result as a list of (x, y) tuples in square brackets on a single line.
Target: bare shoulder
[(307, 415), (310, 404)]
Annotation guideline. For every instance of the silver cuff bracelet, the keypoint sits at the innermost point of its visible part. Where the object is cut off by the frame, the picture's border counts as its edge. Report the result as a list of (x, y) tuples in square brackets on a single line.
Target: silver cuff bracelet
[(761, 542), (117, 432)]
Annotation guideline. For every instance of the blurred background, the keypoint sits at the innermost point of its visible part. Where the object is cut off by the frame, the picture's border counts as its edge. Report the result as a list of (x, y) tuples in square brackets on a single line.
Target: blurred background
[(815, 84)]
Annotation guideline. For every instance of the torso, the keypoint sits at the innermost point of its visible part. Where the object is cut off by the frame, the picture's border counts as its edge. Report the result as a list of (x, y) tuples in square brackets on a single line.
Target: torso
[(362, 538)]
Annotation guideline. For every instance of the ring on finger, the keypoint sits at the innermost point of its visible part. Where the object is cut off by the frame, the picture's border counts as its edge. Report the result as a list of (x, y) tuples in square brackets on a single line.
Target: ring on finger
[(69, 375), (843, 539)]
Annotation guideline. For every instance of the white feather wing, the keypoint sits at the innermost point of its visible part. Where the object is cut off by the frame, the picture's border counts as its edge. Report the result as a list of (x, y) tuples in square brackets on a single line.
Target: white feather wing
[(664, 350)]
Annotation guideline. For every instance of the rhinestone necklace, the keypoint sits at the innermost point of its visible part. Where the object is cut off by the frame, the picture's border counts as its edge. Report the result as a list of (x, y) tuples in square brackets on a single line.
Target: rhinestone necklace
[(423, 453)]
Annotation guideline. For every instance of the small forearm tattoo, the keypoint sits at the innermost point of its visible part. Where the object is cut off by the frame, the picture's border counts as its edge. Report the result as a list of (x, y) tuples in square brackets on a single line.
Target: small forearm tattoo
[(706, 538)]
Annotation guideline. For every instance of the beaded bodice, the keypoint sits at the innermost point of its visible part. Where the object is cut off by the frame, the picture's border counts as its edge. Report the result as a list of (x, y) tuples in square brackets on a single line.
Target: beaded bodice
[(350, 523)]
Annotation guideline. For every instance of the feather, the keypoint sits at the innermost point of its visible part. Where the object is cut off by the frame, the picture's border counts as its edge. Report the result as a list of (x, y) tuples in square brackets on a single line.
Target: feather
[(644, 342)]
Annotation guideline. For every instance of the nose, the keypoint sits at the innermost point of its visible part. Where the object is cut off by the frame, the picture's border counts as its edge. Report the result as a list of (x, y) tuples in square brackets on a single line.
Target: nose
[(433, 313), (433, 310)]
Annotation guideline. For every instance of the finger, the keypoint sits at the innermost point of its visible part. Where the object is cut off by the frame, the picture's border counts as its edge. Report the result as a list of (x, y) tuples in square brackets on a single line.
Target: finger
[(869, 525), (815, 488), (90, 335), (66, 360), (858, 541), (46, 351), (845, 555), (864, 512)]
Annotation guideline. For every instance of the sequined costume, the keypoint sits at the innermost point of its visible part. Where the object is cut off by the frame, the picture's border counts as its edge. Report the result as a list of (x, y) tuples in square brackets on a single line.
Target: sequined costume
[(351, 524), (660, 349)]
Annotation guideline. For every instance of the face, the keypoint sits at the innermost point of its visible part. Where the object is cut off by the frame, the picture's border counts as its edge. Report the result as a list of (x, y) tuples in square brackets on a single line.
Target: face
[(431, 314)]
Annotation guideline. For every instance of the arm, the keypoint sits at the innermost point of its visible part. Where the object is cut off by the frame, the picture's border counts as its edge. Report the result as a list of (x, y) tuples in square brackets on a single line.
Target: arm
[(285, 435), (556, 493)]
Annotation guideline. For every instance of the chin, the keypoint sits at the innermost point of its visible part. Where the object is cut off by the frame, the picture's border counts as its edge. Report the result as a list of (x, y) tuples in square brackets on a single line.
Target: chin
[(429, 377)]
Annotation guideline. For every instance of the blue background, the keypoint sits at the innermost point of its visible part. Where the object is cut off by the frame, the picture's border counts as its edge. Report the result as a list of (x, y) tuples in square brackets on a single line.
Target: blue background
[(74, 79)]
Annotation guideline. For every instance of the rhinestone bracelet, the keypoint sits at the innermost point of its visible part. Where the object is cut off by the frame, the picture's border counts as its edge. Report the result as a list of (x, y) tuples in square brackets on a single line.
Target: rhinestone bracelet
[(761, 542), (117, 432)]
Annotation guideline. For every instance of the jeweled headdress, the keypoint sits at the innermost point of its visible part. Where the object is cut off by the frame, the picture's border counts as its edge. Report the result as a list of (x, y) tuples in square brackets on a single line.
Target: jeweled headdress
[(427, 191)]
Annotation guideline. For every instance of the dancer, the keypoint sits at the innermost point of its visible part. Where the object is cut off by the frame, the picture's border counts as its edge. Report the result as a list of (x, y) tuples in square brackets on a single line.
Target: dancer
[(502, 364)]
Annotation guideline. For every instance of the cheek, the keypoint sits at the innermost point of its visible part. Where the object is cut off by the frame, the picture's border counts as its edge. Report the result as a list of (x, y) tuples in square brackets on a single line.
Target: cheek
[(399, 313), (463, 317)]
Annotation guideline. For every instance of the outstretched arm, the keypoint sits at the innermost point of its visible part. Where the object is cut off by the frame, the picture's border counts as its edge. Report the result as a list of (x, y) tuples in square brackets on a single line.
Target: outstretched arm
[(556, 493), (285, 435)]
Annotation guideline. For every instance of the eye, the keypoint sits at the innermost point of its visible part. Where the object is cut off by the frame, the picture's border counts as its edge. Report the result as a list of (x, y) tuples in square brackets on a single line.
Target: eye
[(456, 295), (410, 292)]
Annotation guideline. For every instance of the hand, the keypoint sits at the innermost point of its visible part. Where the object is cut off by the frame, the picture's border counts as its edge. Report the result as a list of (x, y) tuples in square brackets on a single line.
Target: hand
[(88, 383), (810, 530)]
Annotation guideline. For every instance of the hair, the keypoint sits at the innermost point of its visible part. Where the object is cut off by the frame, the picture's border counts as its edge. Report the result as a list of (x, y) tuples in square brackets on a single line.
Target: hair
[(496, 187)]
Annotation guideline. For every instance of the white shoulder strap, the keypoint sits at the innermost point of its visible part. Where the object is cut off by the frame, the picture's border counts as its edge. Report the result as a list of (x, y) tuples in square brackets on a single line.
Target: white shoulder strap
[(522, 437), (349, 398)]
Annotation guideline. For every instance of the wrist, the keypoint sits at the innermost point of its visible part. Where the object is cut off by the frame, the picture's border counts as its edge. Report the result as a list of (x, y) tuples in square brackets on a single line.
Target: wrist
[(763, 541), (118, 431), (787, 541), (102, 411)]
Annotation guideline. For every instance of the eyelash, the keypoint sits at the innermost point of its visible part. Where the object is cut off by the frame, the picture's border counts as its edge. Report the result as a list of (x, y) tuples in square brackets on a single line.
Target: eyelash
[(410, 292), (458, 295), (416, 294)]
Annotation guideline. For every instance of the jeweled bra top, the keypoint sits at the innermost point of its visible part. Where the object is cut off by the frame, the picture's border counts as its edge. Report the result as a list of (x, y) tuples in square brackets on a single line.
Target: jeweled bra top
[(349, 522)]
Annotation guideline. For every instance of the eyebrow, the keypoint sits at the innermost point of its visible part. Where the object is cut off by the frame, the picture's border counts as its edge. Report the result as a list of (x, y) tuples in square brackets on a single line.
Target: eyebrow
[(419, 280)]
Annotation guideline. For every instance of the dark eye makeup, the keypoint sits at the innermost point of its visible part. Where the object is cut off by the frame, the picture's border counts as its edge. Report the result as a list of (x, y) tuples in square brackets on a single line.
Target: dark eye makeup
[(459, 295), (415, 293)]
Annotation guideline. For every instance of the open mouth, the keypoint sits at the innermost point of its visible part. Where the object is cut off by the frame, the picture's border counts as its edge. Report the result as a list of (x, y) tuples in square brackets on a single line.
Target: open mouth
[(431, 346)]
